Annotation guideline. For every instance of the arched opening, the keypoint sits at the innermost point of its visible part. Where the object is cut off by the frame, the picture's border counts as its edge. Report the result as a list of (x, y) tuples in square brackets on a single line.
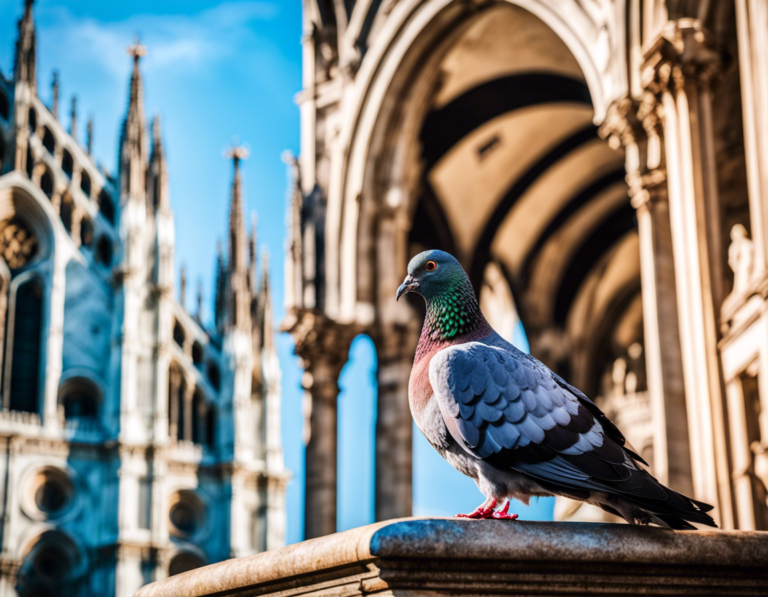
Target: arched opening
[(25, 351), (357, 435), (66, 212), (197, 354), (32, 121), (86, 232), (106, 206), (49, 141), (67, 163), (51, 565), (85, 183), (178, 334), (80, 398), (184, 562), (104, 251), (46, 183)]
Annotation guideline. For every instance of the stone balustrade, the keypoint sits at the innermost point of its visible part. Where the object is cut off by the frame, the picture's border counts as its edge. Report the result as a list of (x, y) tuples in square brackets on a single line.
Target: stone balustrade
[(434, 556)]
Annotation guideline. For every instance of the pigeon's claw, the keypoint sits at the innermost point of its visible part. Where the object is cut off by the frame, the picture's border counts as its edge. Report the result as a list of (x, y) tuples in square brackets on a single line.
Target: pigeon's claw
[(503, 514), (485, 510)]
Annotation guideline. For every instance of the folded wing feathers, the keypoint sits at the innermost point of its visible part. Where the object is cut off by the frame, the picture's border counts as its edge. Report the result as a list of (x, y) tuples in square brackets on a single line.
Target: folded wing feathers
[(505, 406)]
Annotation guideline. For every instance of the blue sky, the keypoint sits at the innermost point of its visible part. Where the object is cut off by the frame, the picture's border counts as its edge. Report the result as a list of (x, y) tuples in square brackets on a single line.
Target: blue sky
[(216, 71)]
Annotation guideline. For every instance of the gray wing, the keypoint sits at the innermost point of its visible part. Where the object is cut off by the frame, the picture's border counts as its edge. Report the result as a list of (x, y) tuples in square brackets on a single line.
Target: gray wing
[(509, 409)]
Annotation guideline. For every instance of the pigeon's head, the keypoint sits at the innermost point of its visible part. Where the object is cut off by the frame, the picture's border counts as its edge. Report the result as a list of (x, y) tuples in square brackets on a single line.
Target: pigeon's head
[(431, 273)]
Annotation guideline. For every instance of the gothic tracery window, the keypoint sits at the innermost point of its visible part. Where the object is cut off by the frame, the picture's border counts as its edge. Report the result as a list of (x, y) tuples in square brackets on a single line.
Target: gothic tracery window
[(24, 351), (18, 244), (20, 333)]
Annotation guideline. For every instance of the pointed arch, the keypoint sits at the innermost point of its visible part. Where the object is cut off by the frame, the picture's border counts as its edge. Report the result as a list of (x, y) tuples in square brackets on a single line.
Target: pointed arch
[(25, 343)]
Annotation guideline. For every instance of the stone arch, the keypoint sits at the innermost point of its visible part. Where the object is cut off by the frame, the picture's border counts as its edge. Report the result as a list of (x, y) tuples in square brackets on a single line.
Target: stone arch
[(473, 130), (27, 243), (81, 398), (52, 562), (415, 34)]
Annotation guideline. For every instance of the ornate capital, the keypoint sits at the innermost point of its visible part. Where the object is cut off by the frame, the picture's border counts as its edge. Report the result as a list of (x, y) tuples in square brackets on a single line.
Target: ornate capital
[(320, 342), (683, 53), (622, 126)]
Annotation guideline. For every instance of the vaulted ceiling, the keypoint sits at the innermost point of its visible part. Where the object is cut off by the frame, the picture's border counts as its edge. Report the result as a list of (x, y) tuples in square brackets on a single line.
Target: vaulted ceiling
[(515, 175)]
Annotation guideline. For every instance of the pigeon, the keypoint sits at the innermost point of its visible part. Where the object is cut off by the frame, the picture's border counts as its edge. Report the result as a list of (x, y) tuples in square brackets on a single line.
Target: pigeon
[(501, 417)]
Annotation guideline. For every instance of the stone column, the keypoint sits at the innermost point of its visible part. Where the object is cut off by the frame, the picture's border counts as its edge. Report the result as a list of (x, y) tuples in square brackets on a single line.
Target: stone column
[(752, 34), (679, 70), (173, 399), (323, 346), (189, 391), (671, 447), (635, 125), (394, 428)]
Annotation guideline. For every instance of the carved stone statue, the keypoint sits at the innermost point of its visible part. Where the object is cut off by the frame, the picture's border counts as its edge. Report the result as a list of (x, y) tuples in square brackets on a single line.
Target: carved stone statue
[(741, 256)]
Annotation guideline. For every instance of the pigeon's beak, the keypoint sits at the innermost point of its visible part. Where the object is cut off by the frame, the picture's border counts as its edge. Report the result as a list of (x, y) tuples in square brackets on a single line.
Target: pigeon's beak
[(408, 284)]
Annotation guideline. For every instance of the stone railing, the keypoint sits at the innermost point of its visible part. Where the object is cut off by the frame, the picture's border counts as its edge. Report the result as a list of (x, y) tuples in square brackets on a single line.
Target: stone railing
[(430, 556)]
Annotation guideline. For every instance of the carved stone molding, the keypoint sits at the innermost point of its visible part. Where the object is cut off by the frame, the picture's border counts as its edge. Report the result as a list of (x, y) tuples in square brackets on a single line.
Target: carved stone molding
[(320, 340), (622, 125), (684, 52)]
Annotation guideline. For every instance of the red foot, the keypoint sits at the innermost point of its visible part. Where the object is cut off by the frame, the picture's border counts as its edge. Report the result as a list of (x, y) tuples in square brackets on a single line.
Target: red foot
[(481, 511), (503, 514), (489, 513)]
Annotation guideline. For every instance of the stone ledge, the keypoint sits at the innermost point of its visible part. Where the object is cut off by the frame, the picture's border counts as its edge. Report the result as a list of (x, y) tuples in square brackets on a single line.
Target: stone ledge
[(434, 556)]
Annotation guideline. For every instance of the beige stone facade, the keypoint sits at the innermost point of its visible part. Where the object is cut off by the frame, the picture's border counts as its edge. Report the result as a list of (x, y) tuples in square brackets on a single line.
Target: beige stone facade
[(599, 168)]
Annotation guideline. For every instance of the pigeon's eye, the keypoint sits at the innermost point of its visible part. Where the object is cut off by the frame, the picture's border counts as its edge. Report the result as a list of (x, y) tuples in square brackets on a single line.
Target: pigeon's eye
[(430, 265)]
